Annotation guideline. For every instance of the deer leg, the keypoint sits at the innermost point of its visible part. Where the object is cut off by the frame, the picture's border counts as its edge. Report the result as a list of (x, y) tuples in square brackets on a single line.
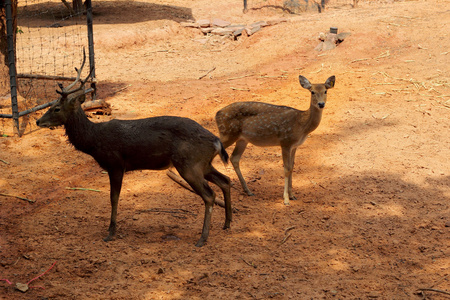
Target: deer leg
[(288, 163), (223, 182), (201, 188), (235, 158), (292, 160), (115, 181)]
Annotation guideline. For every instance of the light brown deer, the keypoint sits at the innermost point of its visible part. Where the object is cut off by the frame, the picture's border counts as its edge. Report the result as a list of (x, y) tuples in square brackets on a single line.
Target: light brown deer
[(263, 124)]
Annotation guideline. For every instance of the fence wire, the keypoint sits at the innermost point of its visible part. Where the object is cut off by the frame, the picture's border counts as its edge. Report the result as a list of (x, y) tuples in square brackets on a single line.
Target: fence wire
[(301, 6), (50, 38)]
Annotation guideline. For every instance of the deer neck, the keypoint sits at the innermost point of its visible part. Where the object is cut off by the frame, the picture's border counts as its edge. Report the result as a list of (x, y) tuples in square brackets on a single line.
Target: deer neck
[(314, 118), (81, 131)]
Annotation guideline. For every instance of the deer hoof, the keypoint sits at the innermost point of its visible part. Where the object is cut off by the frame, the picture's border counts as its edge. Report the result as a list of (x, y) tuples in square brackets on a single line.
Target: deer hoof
[(200, 243), (108, 238)]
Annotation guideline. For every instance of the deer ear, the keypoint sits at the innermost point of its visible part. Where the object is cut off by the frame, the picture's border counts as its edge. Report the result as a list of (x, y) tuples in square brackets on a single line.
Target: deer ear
[(82, 98), (329, 84), (74, 100), (304, 82)]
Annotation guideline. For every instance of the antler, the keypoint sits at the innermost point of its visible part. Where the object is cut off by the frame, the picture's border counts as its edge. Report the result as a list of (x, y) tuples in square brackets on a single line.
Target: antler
[(67, 91)]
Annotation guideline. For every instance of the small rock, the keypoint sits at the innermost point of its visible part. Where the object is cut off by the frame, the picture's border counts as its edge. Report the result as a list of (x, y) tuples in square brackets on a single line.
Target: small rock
[(447, 224), (135, 217), (160, 271), (327, 45), (252, 30), (319, 47), (260, 23), (355, 269), (322, 36), (220, 23), (222, 31), (238, 31), (204, 23), (342, 36), (22, 287), (374, 294), (188, 24), (206, 30), (331, 37)]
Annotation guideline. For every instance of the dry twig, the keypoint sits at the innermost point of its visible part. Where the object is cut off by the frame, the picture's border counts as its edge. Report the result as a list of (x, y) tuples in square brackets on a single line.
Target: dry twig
[(434, 290), (236, 89), (285, 239), (240, 77), (289, 229), (249, 263), (18, 197), (82, 189), (207, 73), (175, 177), (168, 211)]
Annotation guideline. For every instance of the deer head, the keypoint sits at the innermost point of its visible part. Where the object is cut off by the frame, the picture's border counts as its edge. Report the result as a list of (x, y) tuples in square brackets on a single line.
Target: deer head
[(318, 91), (69, 101)]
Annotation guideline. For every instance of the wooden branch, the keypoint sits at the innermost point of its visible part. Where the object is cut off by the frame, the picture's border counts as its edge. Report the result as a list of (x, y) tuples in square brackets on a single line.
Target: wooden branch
[(68, 7), (435, 290), (48, 77), (175, 177), (94, 104)]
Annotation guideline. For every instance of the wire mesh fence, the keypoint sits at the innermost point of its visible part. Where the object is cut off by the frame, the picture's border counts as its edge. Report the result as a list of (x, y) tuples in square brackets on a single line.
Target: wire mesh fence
[(301, 6), (295, 6), (50, 38)]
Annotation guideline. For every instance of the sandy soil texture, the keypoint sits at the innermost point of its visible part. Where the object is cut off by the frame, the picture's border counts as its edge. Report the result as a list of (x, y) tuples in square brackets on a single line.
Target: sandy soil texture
[(372, 219)]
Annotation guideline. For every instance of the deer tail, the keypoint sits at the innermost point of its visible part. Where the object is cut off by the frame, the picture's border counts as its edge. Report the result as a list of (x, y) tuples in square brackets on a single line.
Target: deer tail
[(221, 151)]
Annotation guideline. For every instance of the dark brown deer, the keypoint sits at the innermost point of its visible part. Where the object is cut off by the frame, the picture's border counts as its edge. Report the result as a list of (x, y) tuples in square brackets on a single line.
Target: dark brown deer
[(153, 143), (263, 124)]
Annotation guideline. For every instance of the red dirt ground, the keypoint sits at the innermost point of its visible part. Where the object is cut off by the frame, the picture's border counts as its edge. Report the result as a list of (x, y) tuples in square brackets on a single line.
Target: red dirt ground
[(372, 220)]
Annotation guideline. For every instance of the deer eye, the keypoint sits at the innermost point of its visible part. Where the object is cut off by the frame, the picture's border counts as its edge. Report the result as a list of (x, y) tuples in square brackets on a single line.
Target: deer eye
[(325, 92), (313, 93), (57, 109)]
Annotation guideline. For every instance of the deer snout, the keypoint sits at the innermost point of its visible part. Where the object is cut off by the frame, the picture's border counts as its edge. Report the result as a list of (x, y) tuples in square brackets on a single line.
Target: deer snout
[(321, 104), (40, 124)]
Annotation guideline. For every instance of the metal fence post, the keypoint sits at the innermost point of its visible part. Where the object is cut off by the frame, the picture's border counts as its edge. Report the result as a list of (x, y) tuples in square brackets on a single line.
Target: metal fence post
[(89, 18), (12, 64)]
